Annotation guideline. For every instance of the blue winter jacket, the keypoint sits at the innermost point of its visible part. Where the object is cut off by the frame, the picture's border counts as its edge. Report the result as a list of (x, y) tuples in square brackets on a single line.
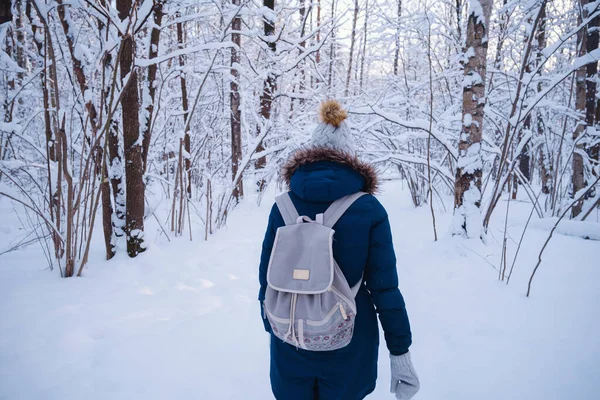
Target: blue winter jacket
[(362, 247)]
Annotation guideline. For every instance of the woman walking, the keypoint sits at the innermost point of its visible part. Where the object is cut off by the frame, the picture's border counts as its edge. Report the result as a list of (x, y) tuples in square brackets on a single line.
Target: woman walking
[(317, 176)]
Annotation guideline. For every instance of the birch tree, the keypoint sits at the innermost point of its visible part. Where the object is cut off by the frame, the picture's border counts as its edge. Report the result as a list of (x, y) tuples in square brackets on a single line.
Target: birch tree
[(467, 196)]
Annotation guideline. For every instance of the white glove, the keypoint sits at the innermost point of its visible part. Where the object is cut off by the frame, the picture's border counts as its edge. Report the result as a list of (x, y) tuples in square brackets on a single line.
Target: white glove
[(405, 382)]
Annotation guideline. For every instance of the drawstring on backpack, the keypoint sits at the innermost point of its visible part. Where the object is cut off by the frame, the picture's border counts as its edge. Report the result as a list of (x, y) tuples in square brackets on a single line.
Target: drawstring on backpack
[(292, 329)]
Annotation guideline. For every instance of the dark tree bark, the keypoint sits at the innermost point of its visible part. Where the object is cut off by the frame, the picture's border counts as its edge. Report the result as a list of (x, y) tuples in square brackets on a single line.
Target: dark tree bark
[(397, 39), (235, 111), (352, 41), (114, 162), (157, 11), (318, 55), (364, 49), (184, 100), (63, 15), (590, 100), (134, 170), (269, 87), (467, 195), (5, 12), (109, 224), (524, 155), (6, 17), (585, 101), (332, 48), (546, 164), (458, 10), (304, 12), (107, 212)]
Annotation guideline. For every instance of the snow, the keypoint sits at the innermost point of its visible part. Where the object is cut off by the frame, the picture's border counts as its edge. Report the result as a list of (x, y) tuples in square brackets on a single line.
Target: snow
[(472, 79), (477, 11), (469, 159), (467, 217), (582, 229), (468, 120), (182, 319)]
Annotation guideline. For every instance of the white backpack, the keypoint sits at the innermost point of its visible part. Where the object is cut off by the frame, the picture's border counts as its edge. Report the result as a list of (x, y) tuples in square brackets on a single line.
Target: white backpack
[(308, 301)]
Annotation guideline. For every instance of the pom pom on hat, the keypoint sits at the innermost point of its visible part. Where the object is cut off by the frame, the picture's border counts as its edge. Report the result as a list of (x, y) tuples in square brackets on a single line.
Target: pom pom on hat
[(332, 113), (333, 132)]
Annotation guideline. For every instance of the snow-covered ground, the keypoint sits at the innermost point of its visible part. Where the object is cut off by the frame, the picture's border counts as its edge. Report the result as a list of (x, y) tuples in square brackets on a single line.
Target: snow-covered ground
[(182, 321)]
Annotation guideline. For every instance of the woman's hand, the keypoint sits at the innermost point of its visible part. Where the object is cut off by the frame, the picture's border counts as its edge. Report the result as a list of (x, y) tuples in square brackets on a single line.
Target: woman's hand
[(405, 382)]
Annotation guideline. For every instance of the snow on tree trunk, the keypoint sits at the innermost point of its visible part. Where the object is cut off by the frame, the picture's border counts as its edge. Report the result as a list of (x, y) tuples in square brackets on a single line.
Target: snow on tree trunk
[(397, 38), (578, 179), (592, 131), (130, 105), (269, 87), (184, 103), (149, 89), (65, 21), (235, 110), (545, 161), (467, 196)]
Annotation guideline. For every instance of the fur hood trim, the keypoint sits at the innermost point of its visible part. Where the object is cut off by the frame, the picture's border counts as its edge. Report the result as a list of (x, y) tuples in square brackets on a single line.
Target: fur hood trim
[(316, 154)]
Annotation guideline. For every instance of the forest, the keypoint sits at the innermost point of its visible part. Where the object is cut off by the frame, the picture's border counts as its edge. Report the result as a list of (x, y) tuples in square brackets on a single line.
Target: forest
[(143, 143), (110, 109)]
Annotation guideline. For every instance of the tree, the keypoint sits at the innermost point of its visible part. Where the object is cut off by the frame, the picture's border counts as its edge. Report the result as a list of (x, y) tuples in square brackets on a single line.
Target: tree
[(585, 101), (150, 85), (269, 86), (467, 196), (397, 37), (352, 41), (235, 107), (134, 169)]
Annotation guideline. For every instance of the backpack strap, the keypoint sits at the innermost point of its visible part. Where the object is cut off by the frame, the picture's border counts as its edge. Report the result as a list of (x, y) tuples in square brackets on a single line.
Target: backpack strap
[(356, 287), (287, 209), (339, 207)]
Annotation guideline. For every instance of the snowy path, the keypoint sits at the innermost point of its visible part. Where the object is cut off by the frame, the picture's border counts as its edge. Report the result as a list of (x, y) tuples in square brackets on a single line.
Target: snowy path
[(182, 321)]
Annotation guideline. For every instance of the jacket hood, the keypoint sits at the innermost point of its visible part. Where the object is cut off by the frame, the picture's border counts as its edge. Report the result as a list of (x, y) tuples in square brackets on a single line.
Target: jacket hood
[(324, 174)]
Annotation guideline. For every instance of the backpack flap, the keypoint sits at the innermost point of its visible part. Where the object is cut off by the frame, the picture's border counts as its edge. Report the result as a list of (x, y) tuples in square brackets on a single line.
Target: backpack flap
[(302, 259)]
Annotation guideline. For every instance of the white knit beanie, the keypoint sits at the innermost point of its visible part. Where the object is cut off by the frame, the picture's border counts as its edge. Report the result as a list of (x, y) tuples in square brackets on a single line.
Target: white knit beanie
[(333, 131)]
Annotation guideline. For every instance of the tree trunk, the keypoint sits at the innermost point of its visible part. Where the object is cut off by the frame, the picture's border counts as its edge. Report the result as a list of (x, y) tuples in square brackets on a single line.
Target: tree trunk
[(352, 41), (467, 196), (184, 103), (458, 10), (107, 212), (5, 12), (397, 39), (269, 87), (590, 101), (331, 49), (114, 161), (150, 87), (318, 55), (582, 87), (546, 165), (234, 98), (64, 17), (364, 49), (302, 64), (134, 170)]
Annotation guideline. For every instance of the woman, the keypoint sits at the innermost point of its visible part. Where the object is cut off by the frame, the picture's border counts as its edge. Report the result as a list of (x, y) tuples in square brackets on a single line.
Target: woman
[(325, 171)]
